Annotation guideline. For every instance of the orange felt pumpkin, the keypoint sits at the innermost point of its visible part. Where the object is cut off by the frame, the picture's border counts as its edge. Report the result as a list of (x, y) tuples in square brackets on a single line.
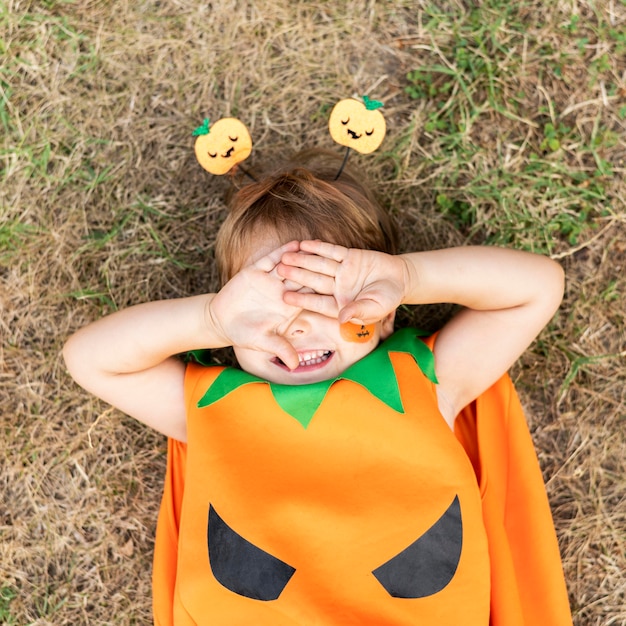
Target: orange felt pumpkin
[(357, 125), (223, 145), (357, 333), (367, 514)]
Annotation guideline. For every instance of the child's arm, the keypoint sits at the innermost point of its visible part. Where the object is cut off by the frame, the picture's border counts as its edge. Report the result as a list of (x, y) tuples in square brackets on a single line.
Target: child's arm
[(509, 296), (127, 358)]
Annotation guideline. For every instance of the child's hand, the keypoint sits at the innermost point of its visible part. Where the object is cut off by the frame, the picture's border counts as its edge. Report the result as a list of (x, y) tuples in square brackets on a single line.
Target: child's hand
[(359, 286), (128, 358), (250, 310)]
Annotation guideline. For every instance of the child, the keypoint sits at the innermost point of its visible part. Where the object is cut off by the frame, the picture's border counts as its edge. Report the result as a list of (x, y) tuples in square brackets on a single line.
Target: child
[(322, 483)]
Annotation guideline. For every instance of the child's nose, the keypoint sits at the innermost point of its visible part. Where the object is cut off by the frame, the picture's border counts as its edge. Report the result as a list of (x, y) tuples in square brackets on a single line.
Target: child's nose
[(299, 326)]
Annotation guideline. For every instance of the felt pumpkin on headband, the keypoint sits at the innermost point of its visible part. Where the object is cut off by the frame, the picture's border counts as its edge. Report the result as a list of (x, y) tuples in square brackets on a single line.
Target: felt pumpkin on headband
[(223, 145), (358, 125)]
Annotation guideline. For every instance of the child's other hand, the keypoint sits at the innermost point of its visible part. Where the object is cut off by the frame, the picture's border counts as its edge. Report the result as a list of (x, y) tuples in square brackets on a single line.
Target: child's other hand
[(359, 286), (250, 310)]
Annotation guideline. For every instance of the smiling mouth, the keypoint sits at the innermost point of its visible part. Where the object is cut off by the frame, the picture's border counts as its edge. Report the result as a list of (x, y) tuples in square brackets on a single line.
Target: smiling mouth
[(308, 360)]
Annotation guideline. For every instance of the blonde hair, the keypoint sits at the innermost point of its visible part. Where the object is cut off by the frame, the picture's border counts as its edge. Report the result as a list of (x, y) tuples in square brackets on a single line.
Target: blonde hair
[(302, 200)]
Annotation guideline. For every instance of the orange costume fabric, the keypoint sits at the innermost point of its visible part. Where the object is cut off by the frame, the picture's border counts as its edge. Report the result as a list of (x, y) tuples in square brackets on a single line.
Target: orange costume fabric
[(365, 512)]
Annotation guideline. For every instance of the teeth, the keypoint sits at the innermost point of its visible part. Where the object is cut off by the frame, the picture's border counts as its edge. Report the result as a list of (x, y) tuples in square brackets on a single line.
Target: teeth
[(313, 358)]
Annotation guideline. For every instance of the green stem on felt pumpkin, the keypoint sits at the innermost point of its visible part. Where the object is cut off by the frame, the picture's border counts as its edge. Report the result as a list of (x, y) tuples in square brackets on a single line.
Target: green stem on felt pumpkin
[(204, 129), (372, 105)]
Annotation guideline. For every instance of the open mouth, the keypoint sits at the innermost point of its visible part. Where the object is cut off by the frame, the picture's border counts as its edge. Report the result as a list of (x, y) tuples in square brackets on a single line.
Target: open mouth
[(308, 360)]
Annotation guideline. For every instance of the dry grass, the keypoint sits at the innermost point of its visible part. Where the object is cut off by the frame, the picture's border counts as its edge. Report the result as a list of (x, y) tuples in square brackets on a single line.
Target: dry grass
[(519, 140)]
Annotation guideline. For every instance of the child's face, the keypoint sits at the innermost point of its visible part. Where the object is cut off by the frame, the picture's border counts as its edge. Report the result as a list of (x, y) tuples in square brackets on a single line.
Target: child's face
[(324, 350)]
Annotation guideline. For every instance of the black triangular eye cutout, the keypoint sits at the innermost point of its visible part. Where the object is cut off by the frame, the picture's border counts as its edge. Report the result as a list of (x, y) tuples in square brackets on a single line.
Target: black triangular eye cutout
[(428, 564), (240, 566)]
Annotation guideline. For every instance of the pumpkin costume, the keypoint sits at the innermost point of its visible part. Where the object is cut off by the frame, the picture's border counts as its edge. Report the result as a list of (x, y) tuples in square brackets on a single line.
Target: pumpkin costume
[(359, 506)]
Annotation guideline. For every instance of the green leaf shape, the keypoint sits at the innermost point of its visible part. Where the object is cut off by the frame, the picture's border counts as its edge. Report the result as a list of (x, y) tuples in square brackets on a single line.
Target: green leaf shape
[(372, 105), (374, 372), (202, 130)]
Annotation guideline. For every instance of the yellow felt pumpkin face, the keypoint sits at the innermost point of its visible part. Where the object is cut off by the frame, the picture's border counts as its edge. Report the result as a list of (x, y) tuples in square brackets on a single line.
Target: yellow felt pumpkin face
[(357, 125), (221, 146)]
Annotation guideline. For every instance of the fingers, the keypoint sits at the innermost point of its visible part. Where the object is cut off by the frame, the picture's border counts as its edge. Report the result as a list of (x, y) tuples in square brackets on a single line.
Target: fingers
[(323, 249), (269, 264), (291, 285), (318, 303), (361, 312), (269, 261), (312, 262), (275, 344), (315, 256), (312, 270), (316, 281)]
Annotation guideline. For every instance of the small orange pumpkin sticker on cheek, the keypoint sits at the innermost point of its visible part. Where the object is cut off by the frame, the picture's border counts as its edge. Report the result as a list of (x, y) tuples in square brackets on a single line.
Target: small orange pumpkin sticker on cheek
[(357, 125), (221, 146), (357, 333)]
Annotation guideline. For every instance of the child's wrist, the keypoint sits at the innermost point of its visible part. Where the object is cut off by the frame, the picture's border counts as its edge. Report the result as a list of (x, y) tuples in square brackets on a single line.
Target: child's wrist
[(213, 329), (409, 278)]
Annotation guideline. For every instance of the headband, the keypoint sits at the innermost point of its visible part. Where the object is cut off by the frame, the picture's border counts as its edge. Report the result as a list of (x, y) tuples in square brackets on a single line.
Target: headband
[(222, 147)]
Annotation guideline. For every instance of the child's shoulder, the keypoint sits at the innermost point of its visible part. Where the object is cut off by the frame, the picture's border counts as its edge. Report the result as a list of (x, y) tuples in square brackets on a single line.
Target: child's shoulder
[(200, 374)]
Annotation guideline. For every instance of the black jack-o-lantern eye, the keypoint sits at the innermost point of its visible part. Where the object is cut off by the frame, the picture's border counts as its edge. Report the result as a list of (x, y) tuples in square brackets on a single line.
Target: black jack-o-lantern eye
[(428, 564), (422, 569), (240, 566)]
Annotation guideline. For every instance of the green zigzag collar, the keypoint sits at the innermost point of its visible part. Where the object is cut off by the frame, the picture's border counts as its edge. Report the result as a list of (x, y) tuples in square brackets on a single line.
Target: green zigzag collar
[(374, 372)]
